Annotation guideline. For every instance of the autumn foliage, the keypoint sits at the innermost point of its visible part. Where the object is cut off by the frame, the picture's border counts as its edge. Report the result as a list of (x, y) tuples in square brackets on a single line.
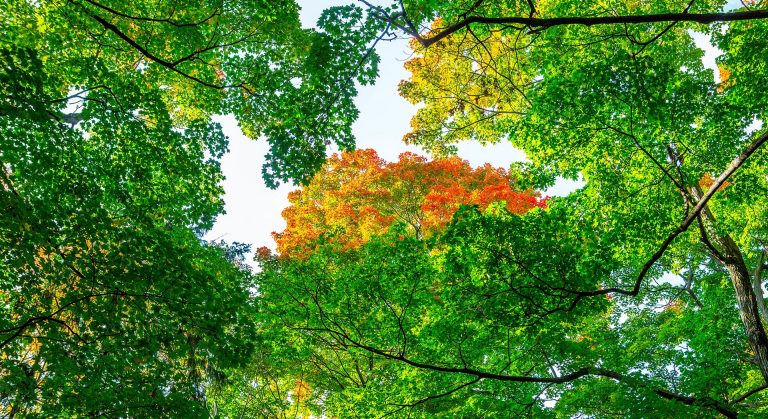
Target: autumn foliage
[(358, 195)]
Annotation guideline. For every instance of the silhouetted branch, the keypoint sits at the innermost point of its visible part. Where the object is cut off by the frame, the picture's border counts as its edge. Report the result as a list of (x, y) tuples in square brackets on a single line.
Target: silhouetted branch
[(538, 24)]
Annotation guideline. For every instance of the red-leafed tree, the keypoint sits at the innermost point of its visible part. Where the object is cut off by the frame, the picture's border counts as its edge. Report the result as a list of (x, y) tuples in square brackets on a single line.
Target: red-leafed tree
[(358, 195)]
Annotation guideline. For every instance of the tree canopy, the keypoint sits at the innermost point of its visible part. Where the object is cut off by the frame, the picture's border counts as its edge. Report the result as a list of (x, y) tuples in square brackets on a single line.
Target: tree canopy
[(640, 294), (358, 195)]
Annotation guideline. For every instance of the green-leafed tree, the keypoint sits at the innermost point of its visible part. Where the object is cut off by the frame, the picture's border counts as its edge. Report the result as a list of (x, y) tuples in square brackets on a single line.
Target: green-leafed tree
[(110, 304), (639, 295), (478, 324), (355, 198), (291, 85)]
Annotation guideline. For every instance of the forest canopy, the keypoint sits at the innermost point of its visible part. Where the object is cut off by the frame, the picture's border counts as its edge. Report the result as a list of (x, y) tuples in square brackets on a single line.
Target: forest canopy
[(412, 288)]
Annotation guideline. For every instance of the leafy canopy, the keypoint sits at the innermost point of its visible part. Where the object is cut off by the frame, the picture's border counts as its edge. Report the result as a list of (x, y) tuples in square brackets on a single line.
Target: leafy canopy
[(639, 295), (108, 174), (358, 195), (110, 302)]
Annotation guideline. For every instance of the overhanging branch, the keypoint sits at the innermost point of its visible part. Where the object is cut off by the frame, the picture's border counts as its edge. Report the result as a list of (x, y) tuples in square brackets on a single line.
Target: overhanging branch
[(705, 401), (538, 23), (693, 215)]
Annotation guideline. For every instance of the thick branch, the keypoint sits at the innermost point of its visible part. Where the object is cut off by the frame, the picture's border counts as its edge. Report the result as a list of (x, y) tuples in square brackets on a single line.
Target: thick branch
[(544, 23), (684, 225), (708, 402), (749, 393), (165, 63)]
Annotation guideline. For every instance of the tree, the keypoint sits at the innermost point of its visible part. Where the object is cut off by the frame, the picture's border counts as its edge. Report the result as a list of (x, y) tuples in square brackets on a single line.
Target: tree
[(477, 323), (110, 303), (357, 198), (499, 312), (358, 195), (640, 293), (292, 85)]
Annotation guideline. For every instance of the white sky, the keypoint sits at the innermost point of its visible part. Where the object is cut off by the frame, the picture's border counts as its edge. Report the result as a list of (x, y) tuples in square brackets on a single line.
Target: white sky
[(253, 210)]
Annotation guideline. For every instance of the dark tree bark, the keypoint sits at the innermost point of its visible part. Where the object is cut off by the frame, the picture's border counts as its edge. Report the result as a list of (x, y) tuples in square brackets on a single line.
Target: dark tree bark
[(731, 257)]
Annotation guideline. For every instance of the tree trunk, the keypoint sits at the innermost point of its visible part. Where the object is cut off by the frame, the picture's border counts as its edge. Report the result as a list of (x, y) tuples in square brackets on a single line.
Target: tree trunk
[(749, 312), (748, 306)]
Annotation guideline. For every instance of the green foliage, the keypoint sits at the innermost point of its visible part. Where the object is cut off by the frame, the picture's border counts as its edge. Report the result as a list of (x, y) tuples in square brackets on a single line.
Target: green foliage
[(291, 85), (300, 90), (602, 304), (393, 326), (112, 306), (110, 303)]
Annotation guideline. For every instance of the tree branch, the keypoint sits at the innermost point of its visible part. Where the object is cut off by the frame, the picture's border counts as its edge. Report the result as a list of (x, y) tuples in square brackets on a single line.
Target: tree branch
[(432, 397), (705, 401), (165, 63), (749, 393), (215, 12), (736, 163), (545, 23)]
